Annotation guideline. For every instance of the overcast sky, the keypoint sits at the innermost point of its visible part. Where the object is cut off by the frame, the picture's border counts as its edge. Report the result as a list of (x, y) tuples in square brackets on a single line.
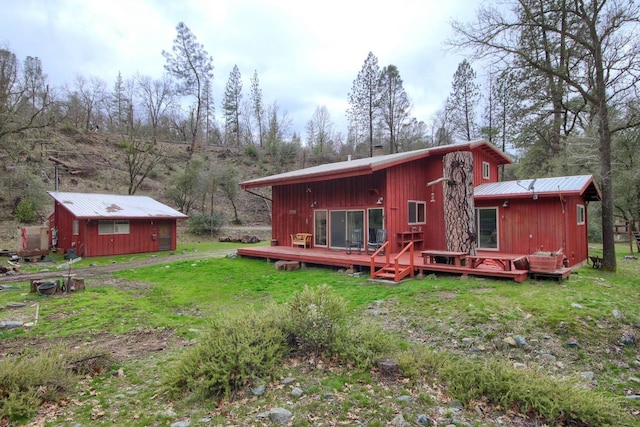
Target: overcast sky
[(307, 54)]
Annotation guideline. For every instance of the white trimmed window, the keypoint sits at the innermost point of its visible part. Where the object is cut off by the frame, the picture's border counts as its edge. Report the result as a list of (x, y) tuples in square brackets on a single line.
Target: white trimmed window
[(113, 227), (580, 215), (486, 170), (417, 212)]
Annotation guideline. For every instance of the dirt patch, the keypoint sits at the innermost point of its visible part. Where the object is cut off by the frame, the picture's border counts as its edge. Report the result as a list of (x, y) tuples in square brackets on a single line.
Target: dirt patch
[(134, 344)]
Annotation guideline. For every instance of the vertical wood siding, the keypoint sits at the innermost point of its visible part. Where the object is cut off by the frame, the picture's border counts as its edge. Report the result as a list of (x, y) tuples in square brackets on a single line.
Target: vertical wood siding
[(143, 235)]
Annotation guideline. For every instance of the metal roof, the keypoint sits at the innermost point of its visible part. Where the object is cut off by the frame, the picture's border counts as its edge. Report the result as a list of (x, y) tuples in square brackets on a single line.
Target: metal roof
[(367, 165), (580, 184), (89, 205)]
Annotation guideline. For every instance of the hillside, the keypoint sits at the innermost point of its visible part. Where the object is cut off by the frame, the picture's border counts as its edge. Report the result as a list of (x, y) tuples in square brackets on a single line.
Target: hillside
[(97, 164)]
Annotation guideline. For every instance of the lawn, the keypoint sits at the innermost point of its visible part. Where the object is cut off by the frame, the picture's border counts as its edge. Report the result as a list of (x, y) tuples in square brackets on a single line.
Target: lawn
[(581, 332)]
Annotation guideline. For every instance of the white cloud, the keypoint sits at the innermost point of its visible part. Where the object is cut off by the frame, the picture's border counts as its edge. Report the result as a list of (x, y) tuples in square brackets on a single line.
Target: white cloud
[(306, 54)]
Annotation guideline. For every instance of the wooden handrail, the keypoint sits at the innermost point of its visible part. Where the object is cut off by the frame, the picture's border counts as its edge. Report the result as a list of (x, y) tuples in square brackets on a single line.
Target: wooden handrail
[(373, 258), (399, 277)]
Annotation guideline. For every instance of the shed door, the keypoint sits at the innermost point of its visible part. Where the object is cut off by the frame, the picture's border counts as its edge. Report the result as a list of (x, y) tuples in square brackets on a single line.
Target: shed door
[(164, 236)]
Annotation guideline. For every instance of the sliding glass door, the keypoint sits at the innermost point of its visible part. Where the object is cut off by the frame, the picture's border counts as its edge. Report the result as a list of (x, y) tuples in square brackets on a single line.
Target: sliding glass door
[(341, 224)]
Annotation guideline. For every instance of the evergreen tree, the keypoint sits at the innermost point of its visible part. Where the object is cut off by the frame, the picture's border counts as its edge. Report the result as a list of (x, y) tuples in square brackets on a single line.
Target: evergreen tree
[(192, 66), (231, 106), (463, 101), (394, 105), (257, 106), (364, 100)]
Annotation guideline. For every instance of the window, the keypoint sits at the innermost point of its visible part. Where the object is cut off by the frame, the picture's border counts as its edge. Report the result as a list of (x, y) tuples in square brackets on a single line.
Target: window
[(580, 214), (320, 228), (113, 227), (76, 227), (417, 212), (486, 170)]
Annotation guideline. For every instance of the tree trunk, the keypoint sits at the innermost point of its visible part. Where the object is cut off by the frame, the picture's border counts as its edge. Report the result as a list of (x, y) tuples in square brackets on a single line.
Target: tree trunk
[(459, 209)]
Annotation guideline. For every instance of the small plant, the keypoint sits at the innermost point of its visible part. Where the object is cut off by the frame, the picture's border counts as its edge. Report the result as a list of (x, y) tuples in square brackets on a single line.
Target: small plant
[(29, 380), (25, 212), (237, 350), (316, 318)]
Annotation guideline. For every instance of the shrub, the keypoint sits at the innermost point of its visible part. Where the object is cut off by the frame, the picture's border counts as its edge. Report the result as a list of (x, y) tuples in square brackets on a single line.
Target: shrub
[(25, 212), (251, 151), (201, 224), (362, 343), (315, 319), (29, 380), (523, 390), (237, 350)]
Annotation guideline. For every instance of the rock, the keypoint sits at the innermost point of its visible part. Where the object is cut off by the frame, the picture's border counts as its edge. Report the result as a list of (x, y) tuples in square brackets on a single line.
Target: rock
[(388, 368), (288, 380), (576, 305), (587, 375), (258, 390), (520, 341), (468, 341), (16, 304), (405, 398), (633, 397), (297, 392), (518, 365), (510, 341), (628, 339), (181, 424), (423, 420), (10, 324), (280, 416), (399, 421), (617, 314), (571, 344)]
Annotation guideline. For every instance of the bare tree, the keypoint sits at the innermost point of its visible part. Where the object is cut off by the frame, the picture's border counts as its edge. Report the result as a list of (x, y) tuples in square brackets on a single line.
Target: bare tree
[(91, 96), (605, 75), (156, 97), (320, 130), (23, 105)]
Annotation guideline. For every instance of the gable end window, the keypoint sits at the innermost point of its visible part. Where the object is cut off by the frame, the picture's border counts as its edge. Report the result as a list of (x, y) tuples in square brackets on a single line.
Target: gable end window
[(417, 212), (580, 215), (113, 227), (486, 170)]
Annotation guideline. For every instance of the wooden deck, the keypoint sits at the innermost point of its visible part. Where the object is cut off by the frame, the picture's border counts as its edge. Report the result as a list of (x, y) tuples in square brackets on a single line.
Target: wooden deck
[(339, 258)]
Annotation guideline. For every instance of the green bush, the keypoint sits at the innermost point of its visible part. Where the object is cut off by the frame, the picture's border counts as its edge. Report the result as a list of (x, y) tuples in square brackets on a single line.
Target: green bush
[(237, 350), (200, 224), (251, 151), (315, 320), (523, 390), (25, 212), (29, 380), (362, 344)]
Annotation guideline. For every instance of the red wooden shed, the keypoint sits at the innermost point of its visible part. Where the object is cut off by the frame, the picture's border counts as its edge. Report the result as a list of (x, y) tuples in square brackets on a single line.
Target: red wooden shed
[(106, 224), (403, 194)]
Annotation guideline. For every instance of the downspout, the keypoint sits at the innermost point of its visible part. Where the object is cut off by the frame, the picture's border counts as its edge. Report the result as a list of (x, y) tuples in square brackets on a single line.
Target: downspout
[(259, 195)]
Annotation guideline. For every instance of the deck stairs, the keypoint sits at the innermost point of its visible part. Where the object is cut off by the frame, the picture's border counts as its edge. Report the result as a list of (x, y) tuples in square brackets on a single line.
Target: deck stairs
[(392, 270)]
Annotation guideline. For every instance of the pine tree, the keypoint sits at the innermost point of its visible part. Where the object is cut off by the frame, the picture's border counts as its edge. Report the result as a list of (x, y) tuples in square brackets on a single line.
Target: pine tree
[(257, 106), (192, 66), (463, 101), (364, 100), (394, 105), (231, 106)]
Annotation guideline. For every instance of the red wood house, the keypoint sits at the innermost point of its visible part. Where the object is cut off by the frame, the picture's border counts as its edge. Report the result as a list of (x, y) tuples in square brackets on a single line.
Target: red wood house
[(91, 225), (403, 194)]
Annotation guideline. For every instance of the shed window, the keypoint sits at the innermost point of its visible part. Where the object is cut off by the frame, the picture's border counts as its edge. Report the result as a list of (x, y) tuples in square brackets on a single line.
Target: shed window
[(486, 170), (76, 227), (417, 212), (113, 227), (580, 214)]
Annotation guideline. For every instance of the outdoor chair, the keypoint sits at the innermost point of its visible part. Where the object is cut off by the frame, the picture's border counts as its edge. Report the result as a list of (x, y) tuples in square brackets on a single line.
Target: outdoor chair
[(380, 238), (355, 241)]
